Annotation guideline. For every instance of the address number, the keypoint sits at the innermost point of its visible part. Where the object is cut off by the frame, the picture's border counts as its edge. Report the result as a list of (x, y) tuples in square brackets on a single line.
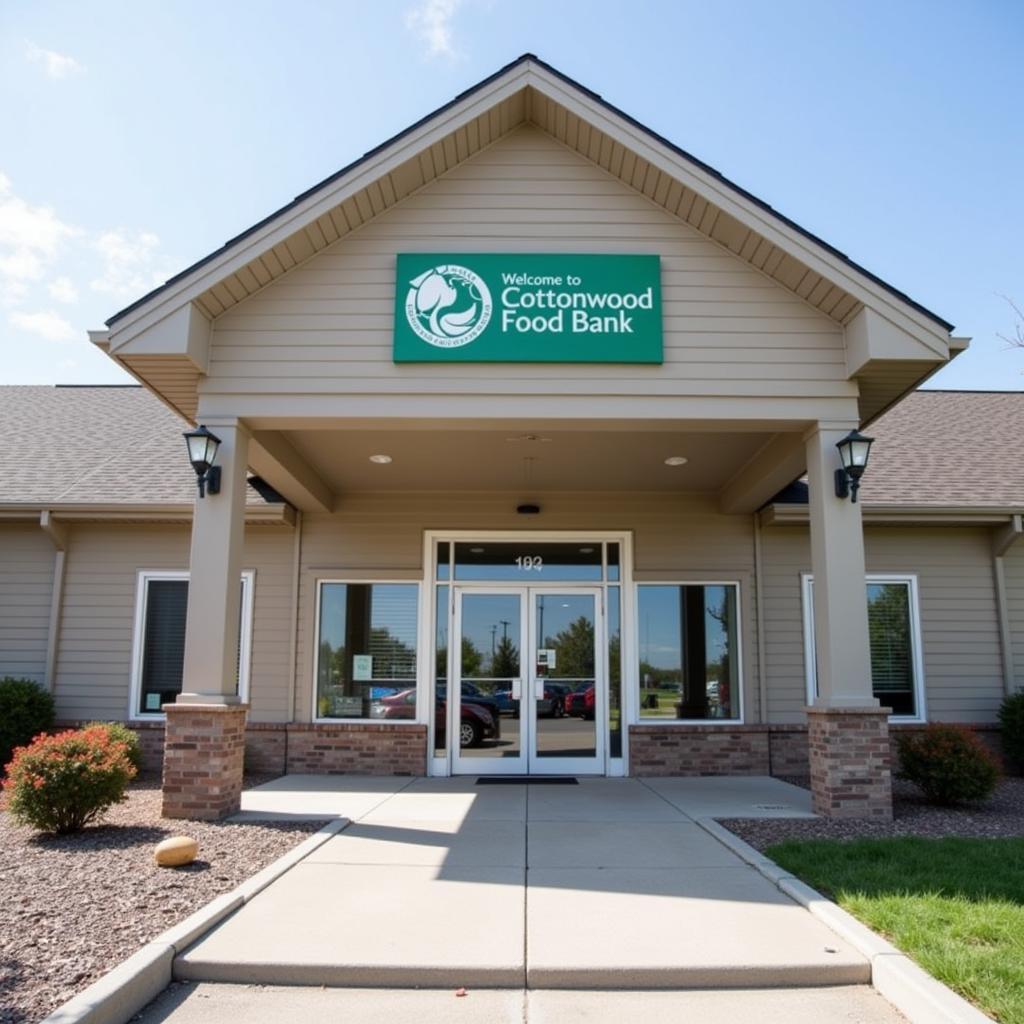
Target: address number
[(530, 563)]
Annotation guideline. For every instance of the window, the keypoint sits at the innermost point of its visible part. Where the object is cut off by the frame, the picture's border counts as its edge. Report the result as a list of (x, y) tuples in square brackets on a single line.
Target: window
[(894, 633), (689, 652), (366, 650), (159, 655)]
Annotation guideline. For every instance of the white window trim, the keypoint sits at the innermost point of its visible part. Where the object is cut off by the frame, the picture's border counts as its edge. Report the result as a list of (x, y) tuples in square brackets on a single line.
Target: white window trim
[(916, 643), (139, 638), (416, 682), (669, 723)]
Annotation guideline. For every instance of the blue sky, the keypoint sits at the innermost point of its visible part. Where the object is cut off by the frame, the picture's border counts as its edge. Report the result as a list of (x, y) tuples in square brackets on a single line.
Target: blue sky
[(137, 136)]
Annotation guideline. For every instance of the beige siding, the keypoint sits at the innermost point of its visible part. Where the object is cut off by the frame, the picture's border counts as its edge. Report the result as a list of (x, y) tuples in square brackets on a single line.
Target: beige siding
[(1013, 567), (26, 585), (101, 578), (380, 536), (960, 635), (326, 326)]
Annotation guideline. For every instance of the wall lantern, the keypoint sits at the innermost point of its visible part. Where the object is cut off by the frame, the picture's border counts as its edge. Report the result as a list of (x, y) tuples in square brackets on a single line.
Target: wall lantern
[(202, 450), (854, 450)]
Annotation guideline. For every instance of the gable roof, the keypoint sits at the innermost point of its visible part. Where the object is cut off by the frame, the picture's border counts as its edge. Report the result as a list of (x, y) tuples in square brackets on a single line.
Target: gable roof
[(705, 215), (117, 446)]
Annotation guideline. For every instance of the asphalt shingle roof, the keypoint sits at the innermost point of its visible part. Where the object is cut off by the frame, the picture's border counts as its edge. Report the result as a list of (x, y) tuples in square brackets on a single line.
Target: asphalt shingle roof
[(93, 445)]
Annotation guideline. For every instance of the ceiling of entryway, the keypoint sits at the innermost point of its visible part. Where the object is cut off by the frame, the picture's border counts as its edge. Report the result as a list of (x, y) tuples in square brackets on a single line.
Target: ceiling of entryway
[(525, 459)]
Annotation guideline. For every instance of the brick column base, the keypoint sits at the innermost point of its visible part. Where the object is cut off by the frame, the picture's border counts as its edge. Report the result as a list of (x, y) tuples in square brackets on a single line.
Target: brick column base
[(204, 747), (850, 761)]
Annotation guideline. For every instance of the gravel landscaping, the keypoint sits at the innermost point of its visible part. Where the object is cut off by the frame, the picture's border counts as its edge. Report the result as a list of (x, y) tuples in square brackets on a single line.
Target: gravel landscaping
[(73, 907), (1001, 816)]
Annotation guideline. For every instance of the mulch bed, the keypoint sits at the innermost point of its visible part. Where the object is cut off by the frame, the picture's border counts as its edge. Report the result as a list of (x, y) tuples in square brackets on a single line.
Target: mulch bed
[(997, 818), (73, 907)]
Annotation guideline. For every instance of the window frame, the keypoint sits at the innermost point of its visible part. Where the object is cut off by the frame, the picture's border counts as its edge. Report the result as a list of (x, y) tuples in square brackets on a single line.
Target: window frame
[(404, 723), (907, 579), (634, 682), (144, 576)]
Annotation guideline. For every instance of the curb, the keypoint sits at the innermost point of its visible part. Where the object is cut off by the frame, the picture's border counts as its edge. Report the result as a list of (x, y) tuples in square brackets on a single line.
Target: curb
[(914, 992), (123, 991)]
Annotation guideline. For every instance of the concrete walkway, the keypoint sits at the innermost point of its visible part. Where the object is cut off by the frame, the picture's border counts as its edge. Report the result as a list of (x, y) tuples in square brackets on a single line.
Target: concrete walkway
[(440, 883)]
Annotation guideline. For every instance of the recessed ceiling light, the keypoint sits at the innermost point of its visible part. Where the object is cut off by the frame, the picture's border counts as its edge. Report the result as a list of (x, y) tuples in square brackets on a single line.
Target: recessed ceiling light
[(476, 551), (676, 460), (531, 438), (381, 460), (586, 551)]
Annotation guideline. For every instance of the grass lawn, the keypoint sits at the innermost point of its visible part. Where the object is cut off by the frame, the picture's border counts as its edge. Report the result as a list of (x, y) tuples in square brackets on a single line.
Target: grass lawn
[(955, 905)]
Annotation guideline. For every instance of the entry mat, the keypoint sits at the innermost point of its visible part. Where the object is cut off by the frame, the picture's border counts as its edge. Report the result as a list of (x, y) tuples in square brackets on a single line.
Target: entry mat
[(527, 780)]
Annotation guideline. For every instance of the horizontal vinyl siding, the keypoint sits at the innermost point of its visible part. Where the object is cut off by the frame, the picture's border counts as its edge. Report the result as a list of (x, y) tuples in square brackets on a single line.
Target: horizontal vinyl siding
[(959, 625), (1013, 569), (26, 586), (101, 576), (380, 536), (327, 325)]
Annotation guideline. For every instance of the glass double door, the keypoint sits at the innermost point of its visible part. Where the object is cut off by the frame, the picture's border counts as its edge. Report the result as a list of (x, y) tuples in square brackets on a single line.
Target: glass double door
[(528, 681)]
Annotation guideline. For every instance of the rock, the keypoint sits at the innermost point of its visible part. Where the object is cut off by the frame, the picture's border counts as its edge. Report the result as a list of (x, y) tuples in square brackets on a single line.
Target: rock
[(176, 851)]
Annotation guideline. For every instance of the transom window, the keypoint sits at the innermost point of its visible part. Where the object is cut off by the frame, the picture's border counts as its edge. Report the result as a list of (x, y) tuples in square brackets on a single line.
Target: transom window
[(528, 561), (894, 633)]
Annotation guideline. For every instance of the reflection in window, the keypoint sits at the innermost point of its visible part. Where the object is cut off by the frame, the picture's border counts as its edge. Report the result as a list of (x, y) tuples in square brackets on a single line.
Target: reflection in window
[(440, 670), (366, 663), (689, 666), (614, 673)]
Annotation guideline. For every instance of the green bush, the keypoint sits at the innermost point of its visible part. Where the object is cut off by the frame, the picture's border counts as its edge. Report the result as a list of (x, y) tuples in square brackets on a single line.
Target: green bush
[(1011, 718), (26, 710), (60, 783), (949, 763), (129, 737)]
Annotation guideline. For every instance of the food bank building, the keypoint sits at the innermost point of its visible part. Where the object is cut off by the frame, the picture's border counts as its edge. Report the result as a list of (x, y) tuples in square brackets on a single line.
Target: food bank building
[(505, 415)]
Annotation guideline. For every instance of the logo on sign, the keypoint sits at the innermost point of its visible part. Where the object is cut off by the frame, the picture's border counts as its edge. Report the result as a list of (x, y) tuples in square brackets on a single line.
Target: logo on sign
[(448, 306)]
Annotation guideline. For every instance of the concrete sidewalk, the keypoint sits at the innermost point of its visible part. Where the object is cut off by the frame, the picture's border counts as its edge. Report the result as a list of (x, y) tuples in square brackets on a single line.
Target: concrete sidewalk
[(607, 884)]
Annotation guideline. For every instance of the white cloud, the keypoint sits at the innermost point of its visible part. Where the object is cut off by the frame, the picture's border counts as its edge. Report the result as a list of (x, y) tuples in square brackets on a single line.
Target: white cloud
[(130, 263), (49, 325), (63, 290), (32, 238), (432, 21), (56, 65)]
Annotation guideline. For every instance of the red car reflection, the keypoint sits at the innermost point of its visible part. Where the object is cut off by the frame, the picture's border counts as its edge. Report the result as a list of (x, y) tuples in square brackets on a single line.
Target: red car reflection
[(477, 722), (581, 702)]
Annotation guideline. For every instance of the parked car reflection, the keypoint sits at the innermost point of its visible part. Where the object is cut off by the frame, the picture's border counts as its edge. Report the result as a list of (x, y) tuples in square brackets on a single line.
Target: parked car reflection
[(476, 725)]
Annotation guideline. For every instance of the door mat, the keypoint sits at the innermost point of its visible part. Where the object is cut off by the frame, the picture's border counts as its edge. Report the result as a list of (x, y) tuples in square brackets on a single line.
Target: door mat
[(527, 780)]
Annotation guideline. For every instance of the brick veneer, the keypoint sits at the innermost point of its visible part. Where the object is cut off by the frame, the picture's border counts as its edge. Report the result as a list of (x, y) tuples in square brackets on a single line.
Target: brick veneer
[(850, 759), (266, 748), (204, 748), (358, 749), (697, 750)]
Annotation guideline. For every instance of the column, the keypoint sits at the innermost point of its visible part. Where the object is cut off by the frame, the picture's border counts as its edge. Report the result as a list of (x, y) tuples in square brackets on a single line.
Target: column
[(205, 737), (848, 733)]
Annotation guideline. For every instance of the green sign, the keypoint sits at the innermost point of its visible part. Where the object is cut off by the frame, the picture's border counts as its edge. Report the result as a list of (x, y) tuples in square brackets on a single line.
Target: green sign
[(521, 308)]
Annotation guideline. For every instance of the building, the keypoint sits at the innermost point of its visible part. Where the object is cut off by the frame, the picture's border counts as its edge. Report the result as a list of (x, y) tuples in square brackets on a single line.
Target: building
[(518, 400)]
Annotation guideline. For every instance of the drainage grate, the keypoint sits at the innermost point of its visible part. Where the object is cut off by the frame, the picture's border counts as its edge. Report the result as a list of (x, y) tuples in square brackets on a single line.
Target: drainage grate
[(527, 780)]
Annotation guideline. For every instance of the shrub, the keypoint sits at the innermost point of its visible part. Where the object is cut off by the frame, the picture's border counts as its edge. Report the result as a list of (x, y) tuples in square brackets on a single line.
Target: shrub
[(1011, 718), (129, 737), (949, 763), (25, 711), (60, 783)]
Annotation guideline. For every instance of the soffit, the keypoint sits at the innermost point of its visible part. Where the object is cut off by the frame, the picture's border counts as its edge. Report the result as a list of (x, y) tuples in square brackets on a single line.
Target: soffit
[(504, 460)]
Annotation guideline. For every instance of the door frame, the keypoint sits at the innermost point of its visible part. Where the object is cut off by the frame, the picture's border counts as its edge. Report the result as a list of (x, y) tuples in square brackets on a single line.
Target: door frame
[(441, 766)]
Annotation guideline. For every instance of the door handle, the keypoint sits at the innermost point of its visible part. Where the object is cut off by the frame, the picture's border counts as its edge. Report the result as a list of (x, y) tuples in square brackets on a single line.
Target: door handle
[(517, 689), (539, 688)]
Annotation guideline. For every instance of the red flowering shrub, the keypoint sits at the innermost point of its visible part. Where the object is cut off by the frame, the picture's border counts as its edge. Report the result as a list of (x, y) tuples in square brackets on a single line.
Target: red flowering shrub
[(60, 783), (949, 763)]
